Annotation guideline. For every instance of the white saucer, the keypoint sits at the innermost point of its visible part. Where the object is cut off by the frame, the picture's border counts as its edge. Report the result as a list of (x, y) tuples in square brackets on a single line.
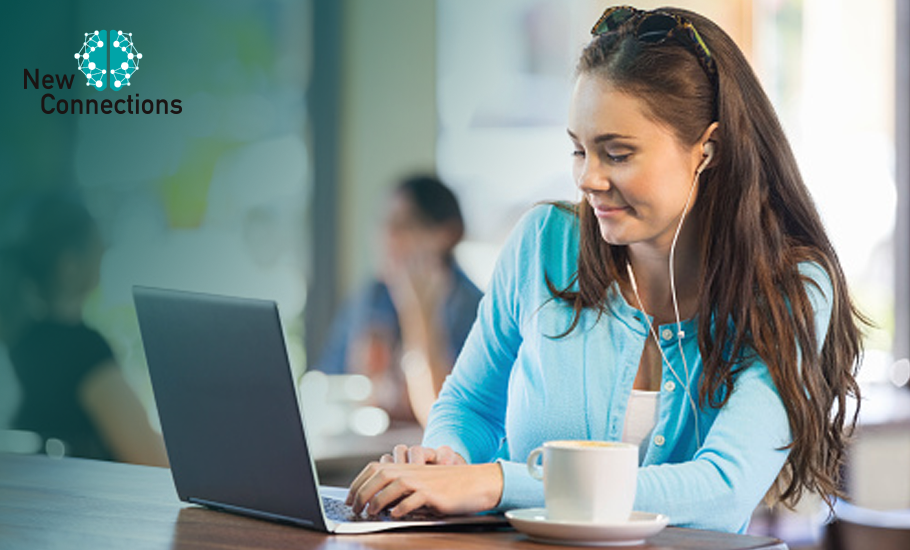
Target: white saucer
[(534, 523)]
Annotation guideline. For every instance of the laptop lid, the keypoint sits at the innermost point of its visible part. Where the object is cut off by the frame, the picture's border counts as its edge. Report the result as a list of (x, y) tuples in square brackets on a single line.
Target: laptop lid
[(228, 405), (230, 416)]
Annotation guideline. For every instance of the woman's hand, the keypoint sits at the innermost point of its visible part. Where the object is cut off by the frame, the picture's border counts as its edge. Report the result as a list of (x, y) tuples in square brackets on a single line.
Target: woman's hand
[(444, 456), (419, 285), (422, 477)]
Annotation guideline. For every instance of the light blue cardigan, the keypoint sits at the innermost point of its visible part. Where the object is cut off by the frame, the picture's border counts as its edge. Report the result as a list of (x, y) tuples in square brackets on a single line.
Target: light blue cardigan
[(513, 388)]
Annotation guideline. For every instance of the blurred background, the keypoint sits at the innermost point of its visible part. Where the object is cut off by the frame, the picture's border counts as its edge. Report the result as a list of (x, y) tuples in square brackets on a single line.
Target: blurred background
[(300, 116)]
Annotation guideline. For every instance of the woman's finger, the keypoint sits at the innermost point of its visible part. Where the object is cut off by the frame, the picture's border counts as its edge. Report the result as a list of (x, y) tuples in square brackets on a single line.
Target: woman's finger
[(447, 457), (400, 453), (421, 455), (365, 493), (380, 491), (368, 472), (408, 504)]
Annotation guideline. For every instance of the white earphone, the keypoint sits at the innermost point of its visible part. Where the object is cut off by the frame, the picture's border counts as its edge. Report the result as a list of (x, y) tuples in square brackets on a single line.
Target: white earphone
[(708, 157)]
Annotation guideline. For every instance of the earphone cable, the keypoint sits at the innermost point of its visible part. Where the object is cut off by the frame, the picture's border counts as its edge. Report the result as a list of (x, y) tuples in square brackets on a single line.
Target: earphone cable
[(682, 217), (679, 331), (660, 350)]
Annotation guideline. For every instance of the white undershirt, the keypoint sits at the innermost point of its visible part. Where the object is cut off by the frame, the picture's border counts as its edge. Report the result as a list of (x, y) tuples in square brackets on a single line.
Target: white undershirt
[(641, 417)]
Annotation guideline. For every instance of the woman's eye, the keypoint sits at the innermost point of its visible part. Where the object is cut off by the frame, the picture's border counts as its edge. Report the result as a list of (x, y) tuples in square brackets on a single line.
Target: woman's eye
[(617, 159), (578, 153)]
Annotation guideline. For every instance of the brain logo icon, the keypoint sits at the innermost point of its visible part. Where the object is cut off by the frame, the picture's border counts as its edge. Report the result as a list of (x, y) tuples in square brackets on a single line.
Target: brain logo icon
[(93, 59)]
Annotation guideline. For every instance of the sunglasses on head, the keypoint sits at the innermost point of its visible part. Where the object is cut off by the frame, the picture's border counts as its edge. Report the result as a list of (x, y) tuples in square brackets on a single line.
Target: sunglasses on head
[(654, 27)]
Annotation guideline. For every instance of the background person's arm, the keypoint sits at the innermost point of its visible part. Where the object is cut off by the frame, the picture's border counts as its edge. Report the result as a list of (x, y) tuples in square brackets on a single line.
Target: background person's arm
[(419, 290), (120, 417)]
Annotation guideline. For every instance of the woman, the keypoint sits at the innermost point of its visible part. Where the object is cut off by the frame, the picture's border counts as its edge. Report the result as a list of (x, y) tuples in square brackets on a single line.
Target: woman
[(691, 302), (74, 395)]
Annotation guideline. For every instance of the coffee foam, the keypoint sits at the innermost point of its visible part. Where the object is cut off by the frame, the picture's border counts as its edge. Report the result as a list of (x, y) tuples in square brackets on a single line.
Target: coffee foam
[(587, 444)]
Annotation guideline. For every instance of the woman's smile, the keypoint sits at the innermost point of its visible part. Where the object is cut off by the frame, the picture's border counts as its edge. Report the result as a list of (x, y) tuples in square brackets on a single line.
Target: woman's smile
[(607, 211)]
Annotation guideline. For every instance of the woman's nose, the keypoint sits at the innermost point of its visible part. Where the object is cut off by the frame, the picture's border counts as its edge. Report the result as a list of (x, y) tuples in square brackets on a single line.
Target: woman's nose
[(592, 177)]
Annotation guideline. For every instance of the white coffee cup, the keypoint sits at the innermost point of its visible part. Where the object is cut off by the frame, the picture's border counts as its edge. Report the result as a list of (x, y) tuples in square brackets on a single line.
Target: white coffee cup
[(587, 481)]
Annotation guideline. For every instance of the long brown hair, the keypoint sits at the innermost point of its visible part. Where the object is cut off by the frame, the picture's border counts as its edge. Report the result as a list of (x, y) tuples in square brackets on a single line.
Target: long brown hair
[(758, 222)]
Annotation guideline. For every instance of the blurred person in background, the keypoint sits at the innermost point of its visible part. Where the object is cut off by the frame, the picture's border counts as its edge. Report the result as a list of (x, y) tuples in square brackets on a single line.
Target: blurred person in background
[(405, 327), (10, 394), (72, 389)]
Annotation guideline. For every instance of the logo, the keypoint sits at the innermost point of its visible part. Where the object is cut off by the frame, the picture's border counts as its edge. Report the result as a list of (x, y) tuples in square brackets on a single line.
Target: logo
[(107, 59), (93, 59)]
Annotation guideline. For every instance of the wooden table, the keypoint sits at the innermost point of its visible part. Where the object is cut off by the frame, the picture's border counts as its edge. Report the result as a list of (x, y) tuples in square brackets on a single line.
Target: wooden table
[(83, 504)]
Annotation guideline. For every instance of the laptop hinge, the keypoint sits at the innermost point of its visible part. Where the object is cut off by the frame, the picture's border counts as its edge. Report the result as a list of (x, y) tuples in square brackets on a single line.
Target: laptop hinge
[(255, 513)]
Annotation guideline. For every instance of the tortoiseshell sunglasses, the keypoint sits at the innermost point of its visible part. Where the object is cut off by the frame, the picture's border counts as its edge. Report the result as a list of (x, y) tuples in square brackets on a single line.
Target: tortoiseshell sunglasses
[(654, 27)]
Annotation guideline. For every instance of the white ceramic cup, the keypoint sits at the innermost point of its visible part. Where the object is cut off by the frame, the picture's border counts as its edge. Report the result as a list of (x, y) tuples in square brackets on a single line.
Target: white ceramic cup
[(587, 481)]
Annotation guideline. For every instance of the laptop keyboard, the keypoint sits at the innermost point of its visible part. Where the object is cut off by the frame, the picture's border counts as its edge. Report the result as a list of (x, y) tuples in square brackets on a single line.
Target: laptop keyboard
[(336, 510)]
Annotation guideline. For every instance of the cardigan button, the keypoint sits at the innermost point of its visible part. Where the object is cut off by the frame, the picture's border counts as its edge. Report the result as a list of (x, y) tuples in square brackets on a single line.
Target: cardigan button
[(670, 386), (667, 334), (659, 440)]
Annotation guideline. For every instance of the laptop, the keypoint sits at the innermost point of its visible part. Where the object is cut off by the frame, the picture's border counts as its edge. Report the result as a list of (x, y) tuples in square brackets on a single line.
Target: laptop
[(230, 416)]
